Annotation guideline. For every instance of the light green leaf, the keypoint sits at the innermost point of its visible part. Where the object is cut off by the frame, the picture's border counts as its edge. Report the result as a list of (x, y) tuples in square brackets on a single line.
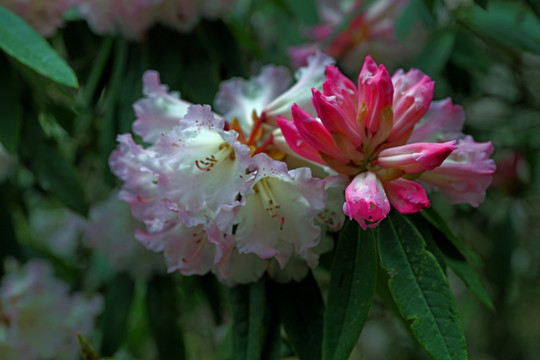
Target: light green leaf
[(21, 41), (420, 289), (351, 290), (301, 309)]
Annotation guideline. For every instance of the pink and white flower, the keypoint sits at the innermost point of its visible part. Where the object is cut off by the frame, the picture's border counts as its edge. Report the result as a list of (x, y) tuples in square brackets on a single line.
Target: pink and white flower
[(363, 131), (370, 31), (209, 188), (39, 317)]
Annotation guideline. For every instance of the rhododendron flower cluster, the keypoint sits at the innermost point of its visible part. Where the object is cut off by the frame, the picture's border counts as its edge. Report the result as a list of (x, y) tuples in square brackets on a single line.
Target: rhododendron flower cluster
[(211, 190), (39, 318), (44, 16), (370, 31), (389, 138), (131, 18)]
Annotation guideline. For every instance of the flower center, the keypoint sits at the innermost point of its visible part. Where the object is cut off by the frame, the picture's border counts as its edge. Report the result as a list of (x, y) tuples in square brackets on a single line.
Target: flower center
[(258, 140), (225, 151), (263, 188)]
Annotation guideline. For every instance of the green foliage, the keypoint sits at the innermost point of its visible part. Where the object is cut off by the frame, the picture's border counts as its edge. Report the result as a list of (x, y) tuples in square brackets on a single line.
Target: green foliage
[(301, 311), (21, 41), (351, 290), (420, 289), (162, 305)]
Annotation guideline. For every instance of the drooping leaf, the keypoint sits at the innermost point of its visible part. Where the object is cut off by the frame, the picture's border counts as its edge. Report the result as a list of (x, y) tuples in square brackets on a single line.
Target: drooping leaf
[(301, 310), (420, 289), (351, 291), (162, 305), (21, 41), (248, 307), (506, 23), (118, 299), (445, 251)]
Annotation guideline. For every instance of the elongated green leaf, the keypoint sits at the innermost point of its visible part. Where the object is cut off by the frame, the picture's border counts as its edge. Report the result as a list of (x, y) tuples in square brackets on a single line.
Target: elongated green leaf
[(301, 309), (163, 312), (248, 305), (118, 300), (420, 289), (351, 291), (444, 249), (20, 41), (508, 23)]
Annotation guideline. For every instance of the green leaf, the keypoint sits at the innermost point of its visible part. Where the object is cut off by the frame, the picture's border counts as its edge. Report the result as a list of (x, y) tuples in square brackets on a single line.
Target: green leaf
[(443, 248), (118, 299), (420, 289), (506, 23), (481, 3), (10, 124), (54, 172), (301, 310), (414, 12), (87, 351), (21, 41), (163, 312), (351, 291), (436, 53), (248, 307)]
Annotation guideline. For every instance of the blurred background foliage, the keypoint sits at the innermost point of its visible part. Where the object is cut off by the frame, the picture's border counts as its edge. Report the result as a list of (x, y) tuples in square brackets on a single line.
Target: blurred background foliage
[(483, 54)]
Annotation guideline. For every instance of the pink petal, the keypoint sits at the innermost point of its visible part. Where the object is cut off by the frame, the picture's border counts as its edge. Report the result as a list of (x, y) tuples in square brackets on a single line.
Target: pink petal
[(377, 92), (412, 97), (442, 121), (365, 200), (414, 158), (297, 142), (316, 134), (406, 196), (464, 176)]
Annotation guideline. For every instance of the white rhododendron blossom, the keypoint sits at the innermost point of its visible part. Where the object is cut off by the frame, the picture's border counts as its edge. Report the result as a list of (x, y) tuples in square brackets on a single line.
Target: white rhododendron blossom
[(39, 317), (213, 192)]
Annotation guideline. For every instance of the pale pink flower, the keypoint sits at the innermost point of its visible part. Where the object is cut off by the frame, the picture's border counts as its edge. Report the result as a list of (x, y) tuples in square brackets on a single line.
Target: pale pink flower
[(363, 132), (209, 190), (44, 16), (370, 31), (39, 318)]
